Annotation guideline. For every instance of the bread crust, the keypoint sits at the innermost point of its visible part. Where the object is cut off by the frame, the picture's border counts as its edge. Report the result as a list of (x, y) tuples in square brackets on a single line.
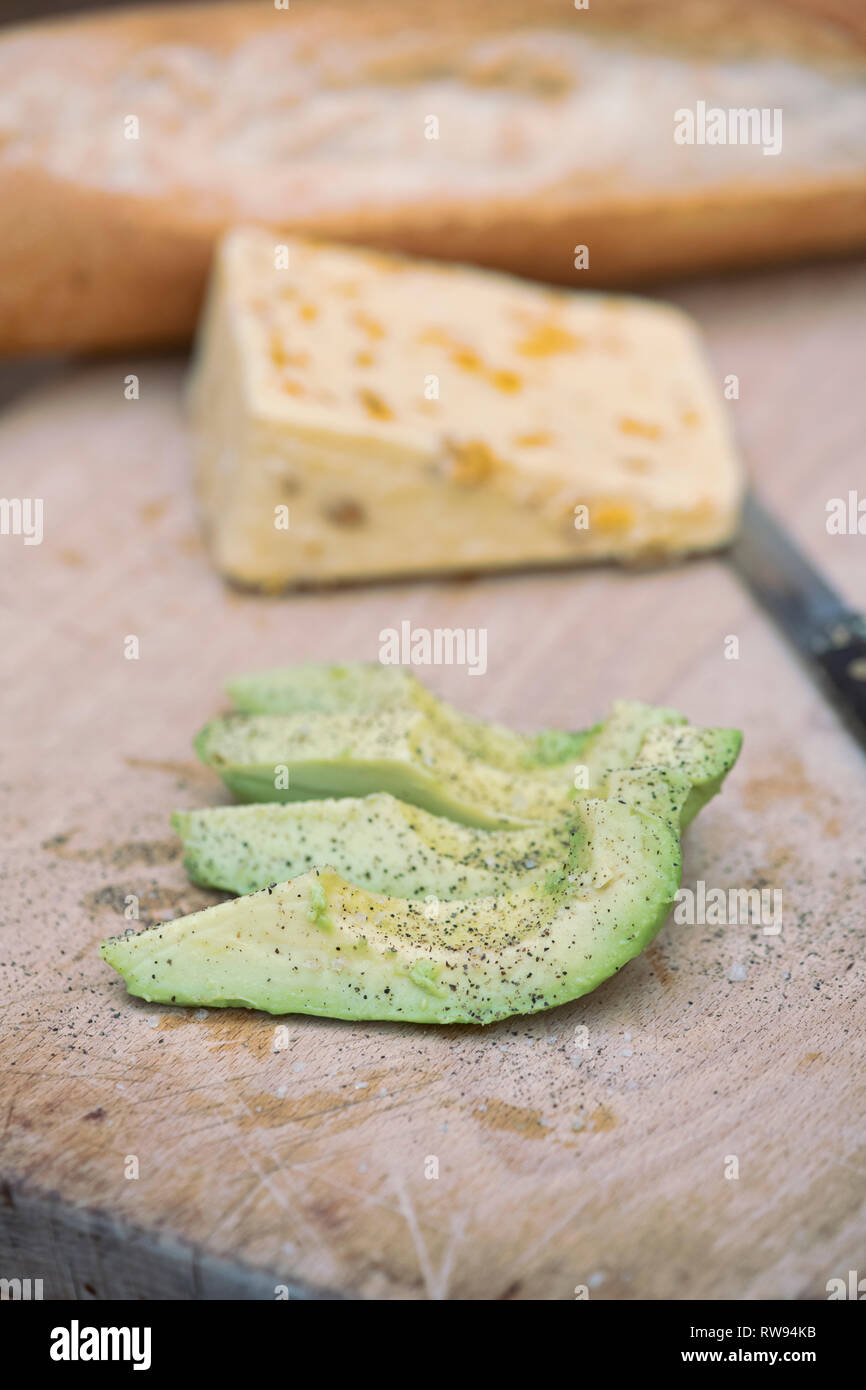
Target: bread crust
[(84, 268)]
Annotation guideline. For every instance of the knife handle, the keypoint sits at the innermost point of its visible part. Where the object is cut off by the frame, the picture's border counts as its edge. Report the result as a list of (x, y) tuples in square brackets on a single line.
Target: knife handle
[(840, 654)]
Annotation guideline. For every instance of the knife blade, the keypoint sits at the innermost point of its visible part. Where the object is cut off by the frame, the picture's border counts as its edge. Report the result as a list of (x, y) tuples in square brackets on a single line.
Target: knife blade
[(827, 633)]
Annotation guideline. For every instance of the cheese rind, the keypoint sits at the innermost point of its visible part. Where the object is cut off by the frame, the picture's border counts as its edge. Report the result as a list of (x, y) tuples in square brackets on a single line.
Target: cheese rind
[(361, 416)]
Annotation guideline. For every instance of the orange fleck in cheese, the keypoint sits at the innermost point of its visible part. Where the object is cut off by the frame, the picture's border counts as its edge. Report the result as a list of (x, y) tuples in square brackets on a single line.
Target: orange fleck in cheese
[(472, 461), (506, 381), (282, 358), (611, 516), (438, 337), (467, 359), (642, 428), (375, 406), (372, 327), (546, 339), (308, 312), (534, 441)]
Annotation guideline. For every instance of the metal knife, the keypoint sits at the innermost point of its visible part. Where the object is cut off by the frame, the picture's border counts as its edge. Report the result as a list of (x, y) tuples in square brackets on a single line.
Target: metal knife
[(829, 634)]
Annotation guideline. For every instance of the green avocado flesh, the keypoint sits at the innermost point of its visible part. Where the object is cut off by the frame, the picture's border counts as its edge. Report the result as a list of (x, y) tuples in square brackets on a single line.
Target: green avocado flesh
[(321, 945), (475, 774), (376, 841), (360, 689), (448, 871)]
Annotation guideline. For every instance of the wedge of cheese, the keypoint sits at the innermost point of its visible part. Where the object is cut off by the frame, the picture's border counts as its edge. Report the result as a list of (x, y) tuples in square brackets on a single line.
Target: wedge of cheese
[(362, 416)]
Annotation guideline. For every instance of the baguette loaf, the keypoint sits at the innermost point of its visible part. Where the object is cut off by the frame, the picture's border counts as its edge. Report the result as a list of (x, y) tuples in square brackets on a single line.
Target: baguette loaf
[(501, 132)]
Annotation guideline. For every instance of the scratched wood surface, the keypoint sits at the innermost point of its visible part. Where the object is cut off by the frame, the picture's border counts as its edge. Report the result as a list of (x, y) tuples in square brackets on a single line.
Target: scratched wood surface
[(559, 1164)]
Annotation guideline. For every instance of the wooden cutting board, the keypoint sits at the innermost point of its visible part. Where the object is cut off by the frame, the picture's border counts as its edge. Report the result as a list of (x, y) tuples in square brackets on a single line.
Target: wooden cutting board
[(307, 1165)]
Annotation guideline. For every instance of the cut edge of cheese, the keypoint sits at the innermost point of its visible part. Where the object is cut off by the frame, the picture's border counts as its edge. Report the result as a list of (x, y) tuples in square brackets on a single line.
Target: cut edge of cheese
[(365, 416)]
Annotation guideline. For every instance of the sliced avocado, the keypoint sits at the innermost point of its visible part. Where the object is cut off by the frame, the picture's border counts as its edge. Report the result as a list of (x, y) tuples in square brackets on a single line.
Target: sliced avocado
[(410, 753), (375, 841), (389, 846), (359, 687), (321, 945), (704, 756)]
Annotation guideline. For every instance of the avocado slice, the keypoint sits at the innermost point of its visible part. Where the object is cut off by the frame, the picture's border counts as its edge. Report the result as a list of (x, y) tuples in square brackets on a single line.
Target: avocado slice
[(407, 750), (360, 687), (321, 945), (332, 689), (554, 928), (375, 841)]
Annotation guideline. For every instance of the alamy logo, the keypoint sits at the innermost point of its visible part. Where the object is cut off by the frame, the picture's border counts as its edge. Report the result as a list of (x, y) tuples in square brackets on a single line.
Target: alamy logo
[(713, 125), (438, 646), (846, 516), (22, 516), (720, 907), (20, 1290), (77, 1343), (854, 1287)]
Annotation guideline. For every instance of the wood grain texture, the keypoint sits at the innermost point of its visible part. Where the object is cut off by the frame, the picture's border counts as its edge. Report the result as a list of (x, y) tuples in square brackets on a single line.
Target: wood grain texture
[(559, 1165)]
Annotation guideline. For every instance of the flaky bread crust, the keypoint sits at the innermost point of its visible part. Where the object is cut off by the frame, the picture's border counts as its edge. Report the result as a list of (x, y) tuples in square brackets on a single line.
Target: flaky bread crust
[(83, 268)]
